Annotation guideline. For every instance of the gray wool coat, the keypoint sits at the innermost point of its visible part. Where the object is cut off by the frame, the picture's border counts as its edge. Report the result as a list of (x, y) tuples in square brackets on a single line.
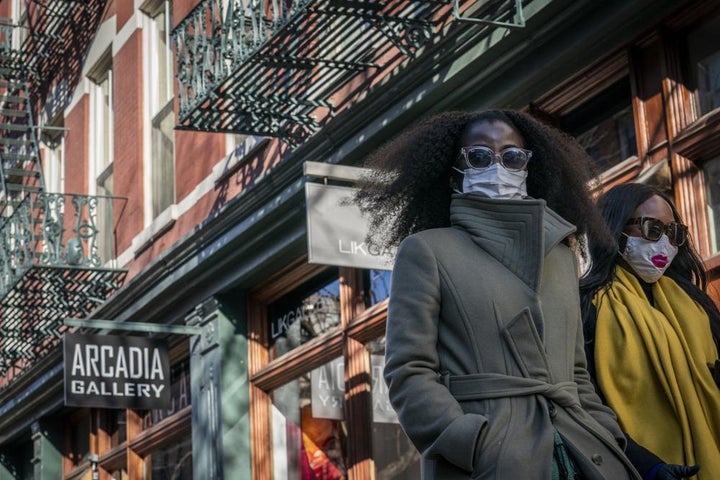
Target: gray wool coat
[(484, 348)]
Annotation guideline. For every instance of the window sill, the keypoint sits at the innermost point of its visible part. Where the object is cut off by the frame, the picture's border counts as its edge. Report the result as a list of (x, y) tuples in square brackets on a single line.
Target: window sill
[(155, 230)]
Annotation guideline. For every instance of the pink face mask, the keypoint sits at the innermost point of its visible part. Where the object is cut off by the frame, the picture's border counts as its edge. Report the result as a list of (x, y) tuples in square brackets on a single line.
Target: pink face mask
[(649, 259)]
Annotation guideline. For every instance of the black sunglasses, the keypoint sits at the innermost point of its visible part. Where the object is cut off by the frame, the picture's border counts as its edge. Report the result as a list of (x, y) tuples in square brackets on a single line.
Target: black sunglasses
[(652, 229)]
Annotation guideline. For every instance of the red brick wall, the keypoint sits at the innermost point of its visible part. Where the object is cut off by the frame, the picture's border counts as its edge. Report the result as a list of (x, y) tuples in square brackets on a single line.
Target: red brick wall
[(128, 129), (76, 147), (195, 155), (124, 10)]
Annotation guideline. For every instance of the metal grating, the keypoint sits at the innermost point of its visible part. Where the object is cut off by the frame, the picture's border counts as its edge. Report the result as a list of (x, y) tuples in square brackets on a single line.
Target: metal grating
[(32, 312), (57, 34), (272, 68)]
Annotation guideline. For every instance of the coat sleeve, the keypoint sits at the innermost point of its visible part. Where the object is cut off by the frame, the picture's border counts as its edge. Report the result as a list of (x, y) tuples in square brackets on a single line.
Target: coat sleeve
[(429, 414), (588, 396)]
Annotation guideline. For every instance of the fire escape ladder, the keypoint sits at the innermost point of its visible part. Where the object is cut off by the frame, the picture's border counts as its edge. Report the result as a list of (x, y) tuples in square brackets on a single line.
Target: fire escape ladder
[(19, 152)]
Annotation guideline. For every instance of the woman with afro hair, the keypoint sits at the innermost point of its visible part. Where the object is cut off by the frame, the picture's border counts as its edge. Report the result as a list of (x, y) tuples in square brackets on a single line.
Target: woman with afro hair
[(485, 360)]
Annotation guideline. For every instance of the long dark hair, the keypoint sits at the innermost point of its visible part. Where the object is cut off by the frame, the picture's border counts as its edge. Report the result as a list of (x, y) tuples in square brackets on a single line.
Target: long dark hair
[(410, 190), (617, 206)]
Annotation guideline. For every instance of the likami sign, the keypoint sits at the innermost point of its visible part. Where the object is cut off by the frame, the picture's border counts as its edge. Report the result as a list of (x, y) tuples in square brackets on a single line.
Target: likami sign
[(109, 371)]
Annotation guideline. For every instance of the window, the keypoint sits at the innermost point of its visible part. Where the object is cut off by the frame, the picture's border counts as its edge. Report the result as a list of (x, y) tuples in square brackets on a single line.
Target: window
[(396, 458), (604, 125), (697, 145), (307, 419), (104, 215), (179, 392), (171, 462), (159, 79), (16, 459), (54, 158), (116, 420), (101, 153), (704, 58), (101, 114), (711, 172), (379, 282), (320, 353), (310, 310), (77, 440)]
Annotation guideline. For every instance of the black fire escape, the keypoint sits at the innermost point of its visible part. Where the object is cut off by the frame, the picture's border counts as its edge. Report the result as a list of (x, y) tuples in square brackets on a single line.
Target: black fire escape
[(286, 68), (56, 249)]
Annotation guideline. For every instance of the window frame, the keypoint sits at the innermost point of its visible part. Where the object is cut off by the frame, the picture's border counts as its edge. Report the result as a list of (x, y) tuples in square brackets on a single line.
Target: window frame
[(157, 109), (359, 325)]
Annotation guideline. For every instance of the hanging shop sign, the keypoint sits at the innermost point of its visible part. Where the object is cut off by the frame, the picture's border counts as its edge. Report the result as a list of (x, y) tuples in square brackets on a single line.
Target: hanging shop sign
[(327, 391), (337, 230), (108, 371)]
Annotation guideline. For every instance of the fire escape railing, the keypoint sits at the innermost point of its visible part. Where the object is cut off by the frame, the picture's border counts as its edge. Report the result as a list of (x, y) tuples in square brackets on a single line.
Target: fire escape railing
[(286, 68), (56, 262), (267, 67)]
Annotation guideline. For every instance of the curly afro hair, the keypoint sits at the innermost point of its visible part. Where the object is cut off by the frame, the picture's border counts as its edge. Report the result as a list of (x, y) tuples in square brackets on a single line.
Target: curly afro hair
[(409, 189)]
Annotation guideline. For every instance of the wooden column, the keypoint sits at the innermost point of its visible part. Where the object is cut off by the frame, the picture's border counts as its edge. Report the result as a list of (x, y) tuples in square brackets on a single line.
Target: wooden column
[(358, 380), (135, 463), (260, 403)]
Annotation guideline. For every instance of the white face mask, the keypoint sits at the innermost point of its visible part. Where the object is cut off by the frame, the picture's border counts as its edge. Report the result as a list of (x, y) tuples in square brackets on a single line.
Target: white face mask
[(495, 181), (649, 259)]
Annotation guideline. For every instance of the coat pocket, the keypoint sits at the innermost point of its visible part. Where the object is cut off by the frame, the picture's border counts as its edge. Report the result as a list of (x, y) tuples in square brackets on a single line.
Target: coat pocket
[(492, 437)]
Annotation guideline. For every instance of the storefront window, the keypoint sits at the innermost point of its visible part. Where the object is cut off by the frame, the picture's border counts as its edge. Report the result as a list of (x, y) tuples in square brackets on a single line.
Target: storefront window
[(711, 171), (395, 456), (704, 53), (179, 392), (304, 313), (117, 422), (309, 432), (604, 125), (17, 460), (170, 462), (79, 439), (379, 281)]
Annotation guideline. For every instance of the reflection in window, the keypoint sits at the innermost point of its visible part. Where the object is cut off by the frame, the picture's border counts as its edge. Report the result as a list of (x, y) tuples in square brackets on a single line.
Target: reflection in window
[(711, 172), (305, 313), (704, 53), (379, 281), (395, 456), (604, 125), (170, 462), (179, 394), (309, 433), (116, 426)]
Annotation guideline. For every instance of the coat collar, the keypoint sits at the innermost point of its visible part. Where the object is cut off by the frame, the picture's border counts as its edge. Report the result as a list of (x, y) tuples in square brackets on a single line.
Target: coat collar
[(517, 233)]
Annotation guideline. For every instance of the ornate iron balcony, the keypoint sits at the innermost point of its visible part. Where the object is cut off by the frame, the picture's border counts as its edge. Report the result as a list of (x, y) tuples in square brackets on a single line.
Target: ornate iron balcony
[(56, 261), (270, 67)]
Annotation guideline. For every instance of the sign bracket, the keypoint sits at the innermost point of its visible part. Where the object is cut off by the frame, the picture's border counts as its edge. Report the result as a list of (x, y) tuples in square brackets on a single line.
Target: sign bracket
[(134, 326)]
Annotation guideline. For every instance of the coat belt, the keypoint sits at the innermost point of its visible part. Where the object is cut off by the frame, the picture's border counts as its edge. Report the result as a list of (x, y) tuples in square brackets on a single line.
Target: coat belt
[(482, 386)]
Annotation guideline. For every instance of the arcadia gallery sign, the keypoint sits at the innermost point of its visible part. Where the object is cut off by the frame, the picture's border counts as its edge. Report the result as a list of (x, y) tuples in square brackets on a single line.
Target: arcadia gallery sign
[(109, 371)]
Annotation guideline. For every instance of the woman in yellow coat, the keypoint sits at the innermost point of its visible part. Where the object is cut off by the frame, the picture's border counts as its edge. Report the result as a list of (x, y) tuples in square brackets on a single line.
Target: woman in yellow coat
[(653, 333)]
